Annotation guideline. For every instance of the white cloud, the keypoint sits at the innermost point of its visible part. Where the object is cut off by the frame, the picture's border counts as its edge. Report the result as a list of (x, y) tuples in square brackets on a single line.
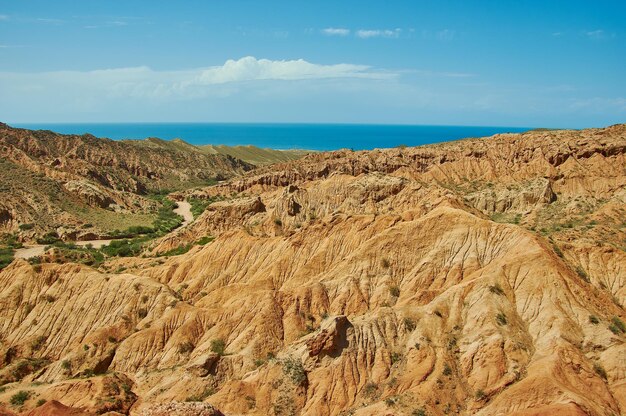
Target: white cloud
[(50, 21), (599, 34), (143, 82), (378, 33), (250, 69), (600, 104), (336, 31), (445, 34)]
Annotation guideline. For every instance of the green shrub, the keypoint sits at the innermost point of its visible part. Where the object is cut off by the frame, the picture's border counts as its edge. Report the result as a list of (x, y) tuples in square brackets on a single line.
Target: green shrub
[(49, 238), (142, 313), (204, 240), (409, 324), (26, 227), (594, 319), (6, 257), (501, 319), (38, 342), (177, 251), (370, 389), (41, 402), (394, 291), (419, 412), (198, 206), (496, 289), (208, 391), (185, 347), (582, 274), (619, 324), (480, 394), (557, 250), (20, 397), (447, 370), (295, 370), (599, 370), (66, 364), (218, 346)]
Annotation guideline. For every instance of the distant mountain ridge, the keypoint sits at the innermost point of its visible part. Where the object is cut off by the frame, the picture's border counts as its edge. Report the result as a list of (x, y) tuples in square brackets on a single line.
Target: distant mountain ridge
[(256, 155)]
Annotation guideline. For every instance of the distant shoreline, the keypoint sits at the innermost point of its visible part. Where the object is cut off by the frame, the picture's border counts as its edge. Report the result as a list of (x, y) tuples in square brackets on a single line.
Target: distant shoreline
[(284, 137)]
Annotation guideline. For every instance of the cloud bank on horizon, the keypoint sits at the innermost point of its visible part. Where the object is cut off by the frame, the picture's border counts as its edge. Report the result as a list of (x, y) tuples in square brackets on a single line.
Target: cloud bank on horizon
[(516, 65)]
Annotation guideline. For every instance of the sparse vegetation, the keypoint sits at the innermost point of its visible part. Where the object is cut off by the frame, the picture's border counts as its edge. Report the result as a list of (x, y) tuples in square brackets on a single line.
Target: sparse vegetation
[(501, 319), (390, 401), (370, 389), (177, 251), (38, 342), (199, 205), (409, 324), (185, 347), (496, 289), (218, 346), (557, 250), (294, 369), (617, 326), (208, 391), (394, 291), (599, 370), (582, 274), (6, 257), (204, 240), (19, 398)]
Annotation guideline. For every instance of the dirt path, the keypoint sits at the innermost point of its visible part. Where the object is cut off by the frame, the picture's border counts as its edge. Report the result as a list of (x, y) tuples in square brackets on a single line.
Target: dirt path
[(38, 249), (184, 210)]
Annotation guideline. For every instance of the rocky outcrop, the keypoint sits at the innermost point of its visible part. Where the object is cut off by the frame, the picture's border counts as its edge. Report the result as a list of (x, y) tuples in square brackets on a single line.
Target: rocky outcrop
[(181, 409)]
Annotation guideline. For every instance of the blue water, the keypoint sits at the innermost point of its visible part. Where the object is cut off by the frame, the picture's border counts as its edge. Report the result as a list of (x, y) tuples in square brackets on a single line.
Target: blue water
[(281, 136)]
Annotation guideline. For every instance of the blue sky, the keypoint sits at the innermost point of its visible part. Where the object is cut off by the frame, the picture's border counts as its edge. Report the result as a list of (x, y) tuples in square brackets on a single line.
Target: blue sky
[(511, 63)]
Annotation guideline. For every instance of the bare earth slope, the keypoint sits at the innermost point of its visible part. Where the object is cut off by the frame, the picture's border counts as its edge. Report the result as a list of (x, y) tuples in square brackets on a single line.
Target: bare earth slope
[(484, 276)]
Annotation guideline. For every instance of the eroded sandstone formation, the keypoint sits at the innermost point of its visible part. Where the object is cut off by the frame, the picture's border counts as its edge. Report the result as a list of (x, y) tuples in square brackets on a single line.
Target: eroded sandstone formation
[(483, 276)]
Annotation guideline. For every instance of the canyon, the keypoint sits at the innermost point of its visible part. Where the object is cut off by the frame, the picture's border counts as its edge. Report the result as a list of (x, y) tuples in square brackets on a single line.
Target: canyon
[(482, 276)]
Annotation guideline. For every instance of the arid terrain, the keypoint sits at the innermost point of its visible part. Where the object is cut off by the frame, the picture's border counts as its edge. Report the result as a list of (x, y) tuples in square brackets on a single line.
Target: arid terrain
[(477, 277)]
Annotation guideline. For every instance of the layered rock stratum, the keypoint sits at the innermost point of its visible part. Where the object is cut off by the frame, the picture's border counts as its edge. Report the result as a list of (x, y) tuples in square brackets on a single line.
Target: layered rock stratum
[(483, 276)]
